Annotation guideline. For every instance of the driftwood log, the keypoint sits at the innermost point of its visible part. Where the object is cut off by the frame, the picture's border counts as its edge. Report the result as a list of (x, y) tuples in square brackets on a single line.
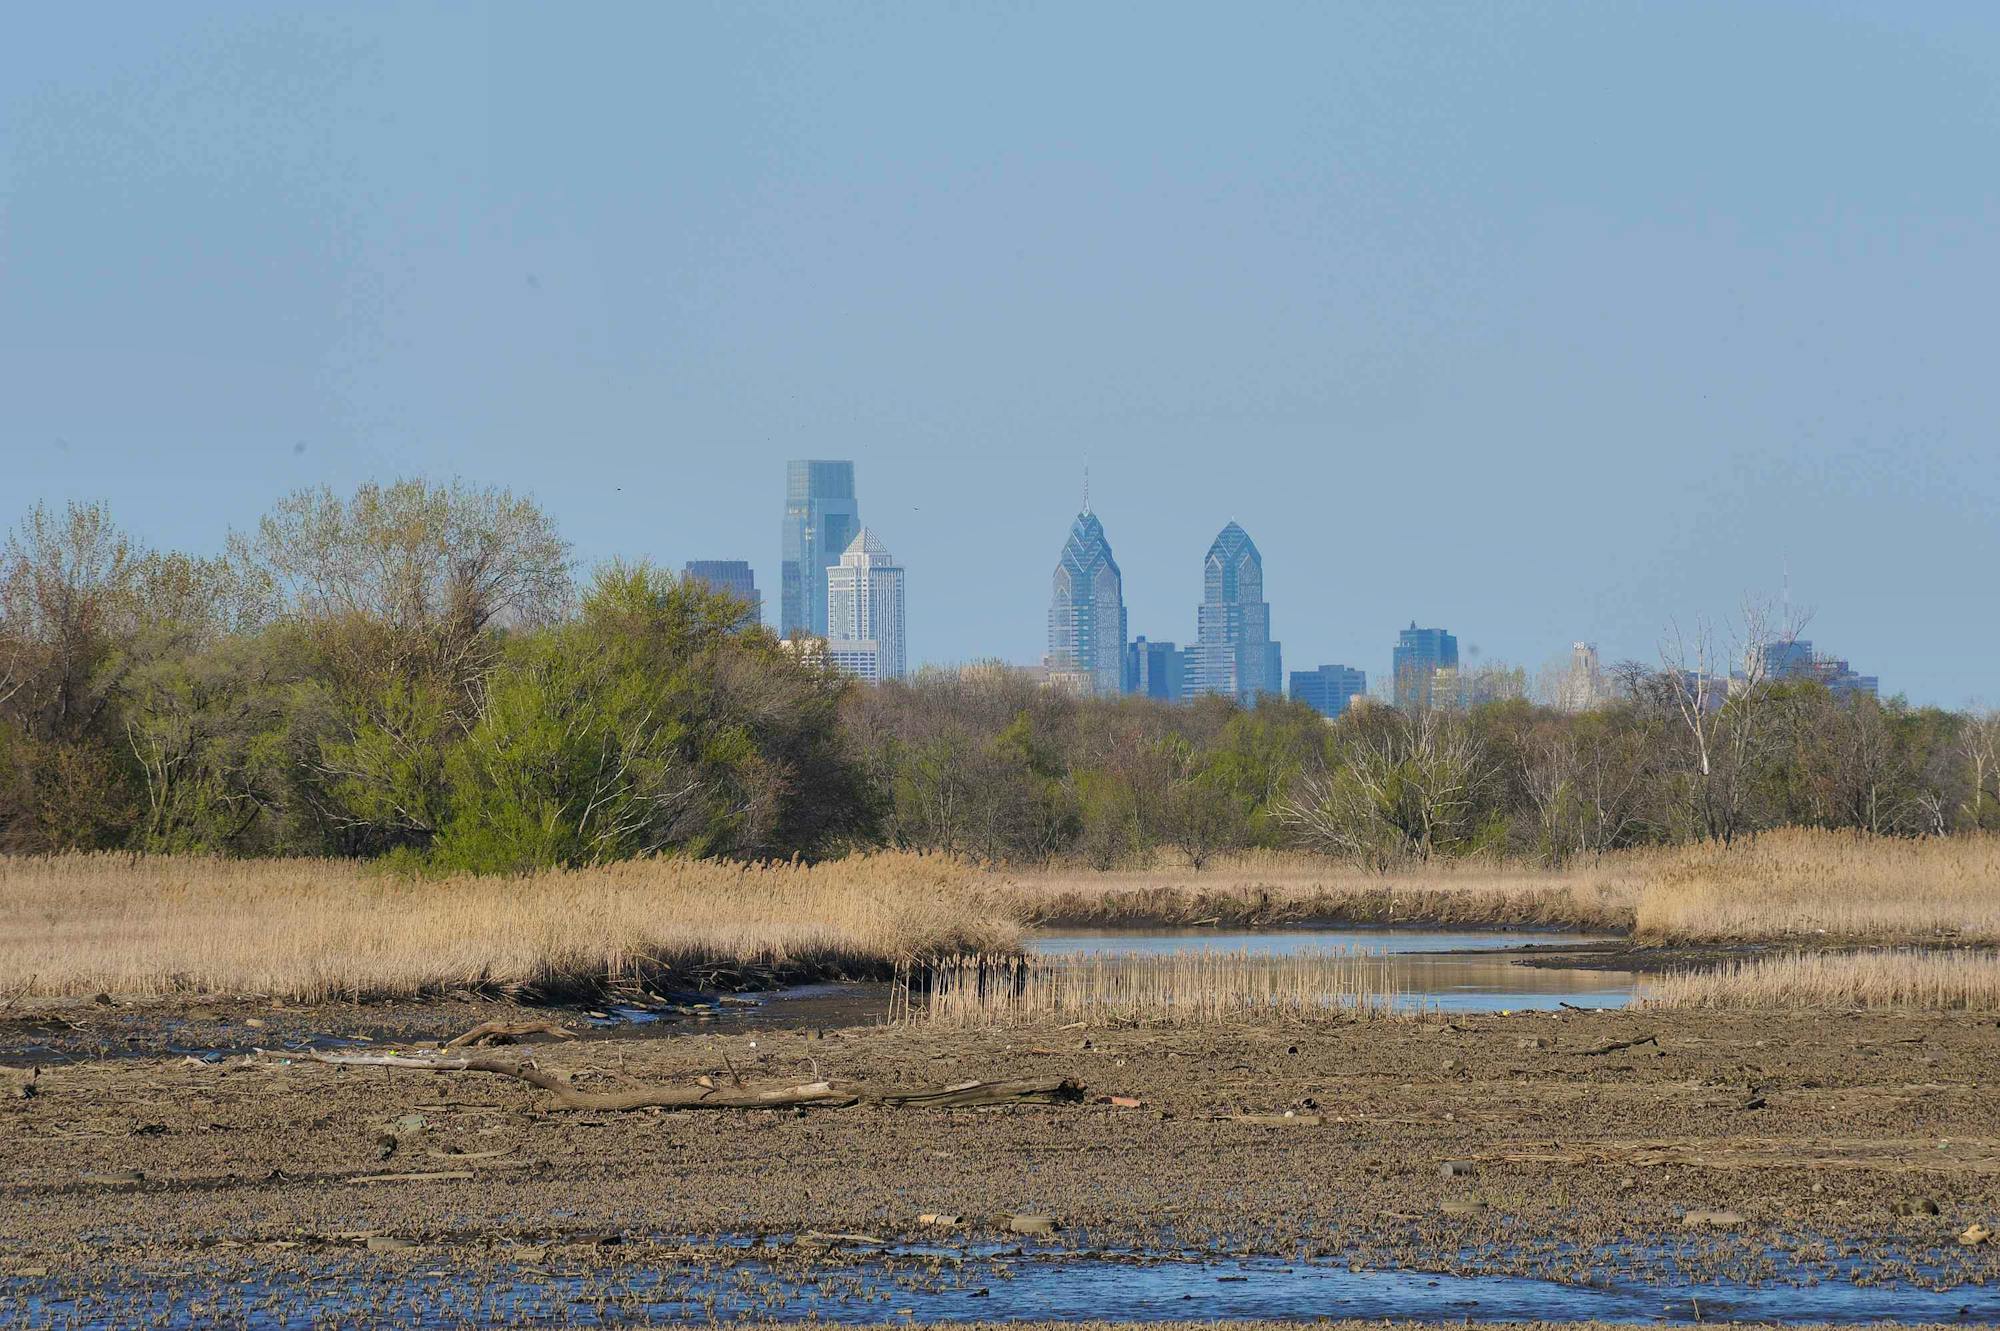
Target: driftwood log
[(506, 1032), (830, 1094)]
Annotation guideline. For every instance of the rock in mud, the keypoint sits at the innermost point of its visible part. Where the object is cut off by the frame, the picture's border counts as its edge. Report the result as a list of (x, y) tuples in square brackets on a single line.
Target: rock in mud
[(1917, 1206), (1456, 1169), (1032, 1224), (1975, 1234)]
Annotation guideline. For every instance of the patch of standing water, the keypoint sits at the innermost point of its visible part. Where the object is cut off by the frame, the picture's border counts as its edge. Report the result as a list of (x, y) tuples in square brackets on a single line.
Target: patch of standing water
[(1444, 970), (933, 1288)]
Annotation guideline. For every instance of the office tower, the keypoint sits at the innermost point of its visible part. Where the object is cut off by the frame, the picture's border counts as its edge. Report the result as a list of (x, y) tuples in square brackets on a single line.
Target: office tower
[(1415, 665), (1583, 686), (1087, 611), (1234, 654), (734, 577), (1794, 658), (864, 607), (1330, 689), (1155, 670), (821, 517)]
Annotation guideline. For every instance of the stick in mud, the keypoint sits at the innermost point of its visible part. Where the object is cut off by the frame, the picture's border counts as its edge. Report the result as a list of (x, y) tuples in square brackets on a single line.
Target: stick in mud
[(833, 1095), (1617, 1045)]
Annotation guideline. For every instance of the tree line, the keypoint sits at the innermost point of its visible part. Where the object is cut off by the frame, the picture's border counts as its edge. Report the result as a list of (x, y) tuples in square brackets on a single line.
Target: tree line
[(412, 673)]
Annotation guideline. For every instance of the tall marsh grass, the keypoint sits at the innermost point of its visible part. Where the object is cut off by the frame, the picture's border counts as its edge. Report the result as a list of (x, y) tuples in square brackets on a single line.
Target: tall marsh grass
[(1803, 885), (1967, 981), (1185, 988), (310, 930)]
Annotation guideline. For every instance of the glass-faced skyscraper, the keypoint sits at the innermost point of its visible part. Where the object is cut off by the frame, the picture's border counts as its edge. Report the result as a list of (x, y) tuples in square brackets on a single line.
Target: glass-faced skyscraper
[(1087, 610), (1233, 651), (733, 576), (821, 518), (1420, 654)]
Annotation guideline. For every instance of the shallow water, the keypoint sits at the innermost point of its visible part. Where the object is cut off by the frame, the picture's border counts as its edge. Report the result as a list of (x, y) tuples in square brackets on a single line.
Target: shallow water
[(1448, 970), (929, 1286)]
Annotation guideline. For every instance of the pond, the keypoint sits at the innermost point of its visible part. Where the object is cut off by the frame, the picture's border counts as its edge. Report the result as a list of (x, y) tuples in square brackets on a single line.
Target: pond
[(1449, 970)]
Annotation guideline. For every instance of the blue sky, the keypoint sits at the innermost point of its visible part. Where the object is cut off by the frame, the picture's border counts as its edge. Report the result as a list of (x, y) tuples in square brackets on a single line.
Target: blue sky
[(1540, 322)]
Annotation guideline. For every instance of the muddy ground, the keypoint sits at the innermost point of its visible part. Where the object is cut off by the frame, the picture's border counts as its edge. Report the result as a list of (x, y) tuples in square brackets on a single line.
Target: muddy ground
[(1872, 1140)]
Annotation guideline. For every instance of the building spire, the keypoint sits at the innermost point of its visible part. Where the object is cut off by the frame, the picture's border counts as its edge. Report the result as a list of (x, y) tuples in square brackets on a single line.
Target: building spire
[(1086, 482)]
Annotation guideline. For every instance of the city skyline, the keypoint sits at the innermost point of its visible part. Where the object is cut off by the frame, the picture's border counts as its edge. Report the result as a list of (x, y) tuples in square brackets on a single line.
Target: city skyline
[(1644, 356)]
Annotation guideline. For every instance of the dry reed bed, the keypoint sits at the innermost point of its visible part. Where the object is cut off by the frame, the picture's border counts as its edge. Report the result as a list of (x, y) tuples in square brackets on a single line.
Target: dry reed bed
[(1825, 887), (310, 930), (1177, 989), (1959, 981)]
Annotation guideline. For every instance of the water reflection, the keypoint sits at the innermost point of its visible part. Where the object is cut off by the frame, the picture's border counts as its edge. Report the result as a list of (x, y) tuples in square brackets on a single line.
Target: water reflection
[(1451, 971)]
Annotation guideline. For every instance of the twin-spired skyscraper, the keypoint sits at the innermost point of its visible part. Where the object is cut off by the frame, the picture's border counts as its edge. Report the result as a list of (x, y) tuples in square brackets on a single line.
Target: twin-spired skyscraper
[(1233, 653), (1087, 611)]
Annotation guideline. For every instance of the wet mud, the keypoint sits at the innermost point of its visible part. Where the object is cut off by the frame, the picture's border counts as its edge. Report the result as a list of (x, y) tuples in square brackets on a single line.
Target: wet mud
[(1801, 1151)]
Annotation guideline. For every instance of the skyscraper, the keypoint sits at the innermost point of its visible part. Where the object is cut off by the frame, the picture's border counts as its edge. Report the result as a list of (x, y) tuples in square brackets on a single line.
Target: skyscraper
[(864, 606), (733, 576), (1155, 670), (1233, 651), (821, 517), (1420, 654), (1329, 689), (1087, 609)]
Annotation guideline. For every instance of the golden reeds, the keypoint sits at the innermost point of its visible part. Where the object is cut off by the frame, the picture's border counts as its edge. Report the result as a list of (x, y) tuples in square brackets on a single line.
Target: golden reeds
[(1825, 887), (309, 930), (1967, 981), (1180, 988)]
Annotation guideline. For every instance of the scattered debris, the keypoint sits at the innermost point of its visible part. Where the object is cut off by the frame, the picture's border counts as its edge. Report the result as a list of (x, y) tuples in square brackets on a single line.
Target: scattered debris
[(962, 1095)]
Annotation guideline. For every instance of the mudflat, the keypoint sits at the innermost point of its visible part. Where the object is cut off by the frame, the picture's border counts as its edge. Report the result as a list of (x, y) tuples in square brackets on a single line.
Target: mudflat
[(1556, 1145)]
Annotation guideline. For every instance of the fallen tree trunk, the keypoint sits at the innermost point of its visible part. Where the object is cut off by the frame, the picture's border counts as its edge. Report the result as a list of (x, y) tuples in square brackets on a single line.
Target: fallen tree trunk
[(965, 1095), (506, 1032)]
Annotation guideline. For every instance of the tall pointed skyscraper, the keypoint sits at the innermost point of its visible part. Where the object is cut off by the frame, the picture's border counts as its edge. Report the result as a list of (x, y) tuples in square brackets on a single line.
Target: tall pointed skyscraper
[(1087, 610), (864, 599), (821, 517), (1233, 653)]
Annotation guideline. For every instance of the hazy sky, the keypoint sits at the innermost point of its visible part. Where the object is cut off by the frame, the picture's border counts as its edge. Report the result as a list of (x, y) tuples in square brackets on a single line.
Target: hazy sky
[(1538, 322)]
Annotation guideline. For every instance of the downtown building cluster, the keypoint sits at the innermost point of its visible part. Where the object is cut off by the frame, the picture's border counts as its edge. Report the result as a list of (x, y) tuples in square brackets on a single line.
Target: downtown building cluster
[(842, 599)]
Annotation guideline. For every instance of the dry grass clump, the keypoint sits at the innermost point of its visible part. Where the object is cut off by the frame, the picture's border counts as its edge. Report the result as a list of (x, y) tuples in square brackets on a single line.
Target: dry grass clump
[(1184, 988), (1825, 886), (1903, 978), (1277, 888), (309, 930)]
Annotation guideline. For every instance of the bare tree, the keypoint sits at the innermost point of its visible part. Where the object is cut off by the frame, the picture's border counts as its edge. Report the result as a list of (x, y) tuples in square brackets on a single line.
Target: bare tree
[(1979, 748), (1409, 790), (1723, 713)]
